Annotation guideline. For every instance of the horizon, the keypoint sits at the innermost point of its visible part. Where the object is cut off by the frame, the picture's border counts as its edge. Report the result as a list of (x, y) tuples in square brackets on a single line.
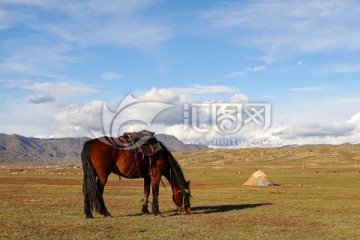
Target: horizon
[(199, 143), (64, 67)]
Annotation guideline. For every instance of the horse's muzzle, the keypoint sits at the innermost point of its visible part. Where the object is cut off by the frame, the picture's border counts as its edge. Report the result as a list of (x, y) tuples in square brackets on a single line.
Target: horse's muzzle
[(185, 211)]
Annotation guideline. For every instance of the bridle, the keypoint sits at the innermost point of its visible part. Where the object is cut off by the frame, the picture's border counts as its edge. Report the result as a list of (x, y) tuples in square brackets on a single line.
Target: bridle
[(177, 192), (186, 202)]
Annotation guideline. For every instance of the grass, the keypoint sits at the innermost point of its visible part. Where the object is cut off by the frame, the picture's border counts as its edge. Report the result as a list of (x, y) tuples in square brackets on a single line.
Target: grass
[(309, 204)]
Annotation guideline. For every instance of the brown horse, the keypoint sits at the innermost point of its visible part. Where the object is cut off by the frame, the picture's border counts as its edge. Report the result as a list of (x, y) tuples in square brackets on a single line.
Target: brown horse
[(102, 156)]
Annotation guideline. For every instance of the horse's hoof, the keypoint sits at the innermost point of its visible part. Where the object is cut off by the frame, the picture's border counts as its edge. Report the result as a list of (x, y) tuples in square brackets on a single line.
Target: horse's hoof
[(158, 213), (145, 212), (89, 216), (144, 209), (108, 215)]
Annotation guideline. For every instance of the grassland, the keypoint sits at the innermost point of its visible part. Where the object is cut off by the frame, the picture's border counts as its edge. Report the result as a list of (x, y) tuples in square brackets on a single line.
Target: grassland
[(318, 198)]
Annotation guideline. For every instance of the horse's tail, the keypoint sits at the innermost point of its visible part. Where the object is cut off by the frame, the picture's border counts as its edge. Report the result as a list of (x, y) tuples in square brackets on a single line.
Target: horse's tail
[(176, 170), (90, 188)]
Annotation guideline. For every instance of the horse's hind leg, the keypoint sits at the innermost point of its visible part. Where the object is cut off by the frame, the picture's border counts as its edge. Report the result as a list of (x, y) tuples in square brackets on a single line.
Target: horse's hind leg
[(147, 182), (87, 207), (101, 185)]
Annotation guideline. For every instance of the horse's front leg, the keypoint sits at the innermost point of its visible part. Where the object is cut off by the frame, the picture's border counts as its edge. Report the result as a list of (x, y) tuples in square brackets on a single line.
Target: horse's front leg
[(155, 181), (147, 182)]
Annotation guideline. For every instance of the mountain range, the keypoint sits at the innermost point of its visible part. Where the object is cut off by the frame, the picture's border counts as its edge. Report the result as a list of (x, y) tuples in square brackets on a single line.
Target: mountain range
[(16, 149)]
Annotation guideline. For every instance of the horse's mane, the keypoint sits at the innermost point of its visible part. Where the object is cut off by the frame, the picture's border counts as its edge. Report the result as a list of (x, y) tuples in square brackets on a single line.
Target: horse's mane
[(176, 170)]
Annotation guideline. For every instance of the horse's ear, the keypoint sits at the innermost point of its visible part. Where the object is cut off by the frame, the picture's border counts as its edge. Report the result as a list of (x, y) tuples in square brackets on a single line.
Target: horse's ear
[(188, 183)]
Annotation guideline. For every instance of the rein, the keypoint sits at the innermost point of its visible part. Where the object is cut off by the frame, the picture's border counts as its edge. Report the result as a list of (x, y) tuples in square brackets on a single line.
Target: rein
[(177, 192)]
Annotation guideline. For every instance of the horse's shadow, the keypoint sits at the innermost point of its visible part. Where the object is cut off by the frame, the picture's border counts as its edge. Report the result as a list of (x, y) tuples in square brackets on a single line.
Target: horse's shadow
[(218, 208), (224, 208), (212, 209)]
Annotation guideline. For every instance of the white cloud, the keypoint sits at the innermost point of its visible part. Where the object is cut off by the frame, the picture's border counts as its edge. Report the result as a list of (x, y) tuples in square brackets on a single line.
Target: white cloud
[(138, 112), (287, 131), (295, 131), (317, 130), (78, 119), (48, 43), (57, 89), (281, 134), (29, 2), (162, 95), (341, 68), (239, 98), (39, 99), (15, 82), (25, 118), (256, 69), (10, 18), (110, 76), (204, 89), (283, 28), (235, 74), (309, 89), (95, 118), (89, 23), (344, 102), (76, 122), (4, 22), (28, 58), (355, 120)]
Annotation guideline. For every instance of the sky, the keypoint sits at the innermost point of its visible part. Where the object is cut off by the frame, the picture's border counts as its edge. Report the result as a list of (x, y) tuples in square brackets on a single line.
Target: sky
[(68, 68)]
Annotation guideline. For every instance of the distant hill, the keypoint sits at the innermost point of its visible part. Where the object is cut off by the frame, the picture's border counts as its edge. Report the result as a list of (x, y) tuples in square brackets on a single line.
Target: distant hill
[(35, 151), (289, 157), (16, 149)]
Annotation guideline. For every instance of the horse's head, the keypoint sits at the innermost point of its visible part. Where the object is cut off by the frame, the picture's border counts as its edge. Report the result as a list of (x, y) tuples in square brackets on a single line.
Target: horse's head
[(181, 198)]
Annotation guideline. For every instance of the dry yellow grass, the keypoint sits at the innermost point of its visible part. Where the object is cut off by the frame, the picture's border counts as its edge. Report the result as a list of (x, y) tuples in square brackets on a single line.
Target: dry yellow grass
[(318, 202)]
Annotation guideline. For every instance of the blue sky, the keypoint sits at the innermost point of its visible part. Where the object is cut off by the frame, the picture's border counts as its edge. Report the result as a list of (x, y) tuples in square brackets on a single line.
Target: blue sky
[(59, 62)]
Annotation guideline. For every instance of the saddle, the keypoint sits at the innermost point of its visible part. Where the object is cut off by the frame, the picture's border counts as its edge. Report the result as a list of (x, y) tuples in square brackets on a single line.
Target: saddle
[(143, 141)]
